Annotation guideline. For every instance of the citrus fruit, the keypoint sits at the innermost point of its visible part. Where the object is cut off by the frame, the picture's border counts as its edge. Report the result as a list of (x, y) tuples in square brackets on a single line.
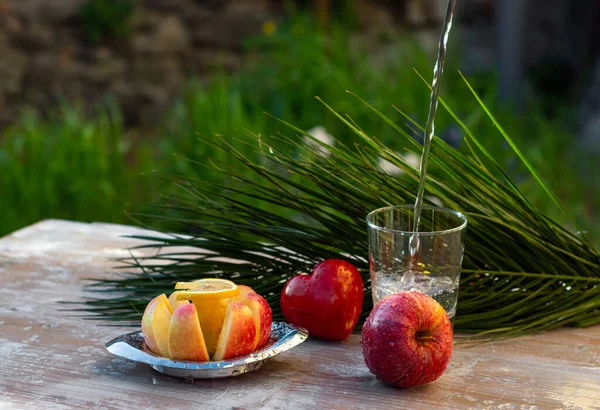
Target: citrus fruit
[(211, 298)]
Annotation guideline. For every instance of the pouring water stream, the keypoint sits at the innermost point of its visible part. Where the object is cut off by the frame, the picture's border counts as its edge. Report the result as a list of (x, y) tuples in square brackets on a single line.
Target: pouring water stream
[(438, 69)]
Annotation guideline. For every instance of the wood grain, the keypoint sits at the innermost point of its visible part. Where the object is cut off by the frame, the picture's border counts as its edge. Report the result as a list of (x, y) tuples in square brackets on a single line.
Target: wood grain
[(52, 360)]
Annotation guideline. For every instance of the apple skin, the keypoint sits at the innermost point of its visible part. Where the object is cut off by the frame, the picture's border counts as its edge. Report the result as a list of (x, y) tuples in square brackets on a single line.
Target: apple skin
[(238, 335), (407, 340), (185, 338), (156, 315), (263, 317), (147, 331), (328, 302)]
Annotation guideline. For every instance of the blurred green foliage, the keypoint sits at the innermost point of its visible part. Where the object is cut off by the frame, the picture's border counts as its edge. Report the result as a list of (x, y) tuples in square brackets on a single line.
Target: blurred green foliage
[(102, 19), (66, 166), (84, 167)]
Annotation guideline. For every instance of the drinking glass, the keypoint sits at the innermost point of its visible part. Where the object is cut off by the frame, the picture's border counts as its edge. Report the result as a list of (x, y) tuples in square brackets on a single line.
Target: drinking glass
[(428, 261)]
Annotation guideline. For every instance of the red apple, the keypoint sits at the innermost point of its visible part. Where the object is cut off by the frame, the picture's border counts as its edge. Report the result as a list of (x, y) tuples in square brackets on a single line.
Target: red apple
[(328, 302), (185, 338), (238, 335), (407, 340)]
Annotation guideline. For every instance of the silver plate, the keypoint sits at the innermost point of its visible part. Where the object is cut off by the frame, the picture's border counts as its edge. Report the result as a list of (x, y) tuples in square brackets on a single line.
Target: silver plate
[(283, 337)]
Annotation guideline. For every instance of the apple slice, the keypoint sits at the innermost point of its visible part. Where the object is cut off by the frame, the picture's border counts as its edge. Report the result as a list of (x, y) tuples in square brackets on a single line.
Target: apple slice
[(263, 317), (185, 340), (147, 319), (176, 303), (261, 311), (238, 334), (160, 327), (244, 291), (211, 297)]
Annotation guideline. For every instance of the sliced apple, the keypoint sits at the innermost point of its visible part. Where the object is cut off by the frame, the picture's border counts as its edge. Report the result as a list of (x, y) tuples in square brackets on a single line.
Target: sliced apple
[(147, 319), (263, 317), (261, 311), (238, 335), (160, 327), (211, 297), (185, 340), (244, 291), (176, 303)]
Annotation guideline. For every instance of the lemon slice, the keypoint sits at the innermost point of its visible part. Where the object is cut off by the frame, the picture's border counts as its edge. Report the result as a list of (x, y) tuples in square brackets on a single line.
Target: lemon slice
[(211, 298), (205, 289)]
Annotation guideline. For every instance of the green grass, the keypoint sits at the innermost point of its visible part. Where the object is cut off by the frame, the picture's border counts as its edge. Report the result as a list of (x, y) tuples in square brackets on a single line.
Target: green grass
[(67, 166), (81, 166)]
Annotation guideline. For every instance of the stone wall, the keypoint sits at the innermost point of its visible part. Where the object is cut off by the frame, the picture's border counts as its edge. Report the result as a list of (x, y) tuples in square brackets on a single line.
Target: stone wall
[(45, 56), (46, 52)]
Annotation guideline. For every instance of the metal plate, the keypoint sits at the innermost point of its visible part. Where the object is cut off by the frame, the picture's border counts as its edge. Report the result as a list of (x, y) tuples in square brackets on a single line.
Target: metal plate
[(283, 337)]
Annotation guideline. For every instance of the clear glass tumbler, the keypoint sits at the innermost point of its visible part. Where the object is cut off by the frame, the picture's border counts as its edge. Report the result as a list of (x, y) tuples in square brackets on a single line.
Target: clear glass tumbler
[(431, 267)]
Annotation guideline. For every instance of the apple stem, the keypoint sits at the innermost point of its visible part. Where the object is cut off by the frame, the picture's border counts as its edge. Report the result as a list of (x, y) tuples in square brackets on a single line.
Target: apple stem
[(425, 336)]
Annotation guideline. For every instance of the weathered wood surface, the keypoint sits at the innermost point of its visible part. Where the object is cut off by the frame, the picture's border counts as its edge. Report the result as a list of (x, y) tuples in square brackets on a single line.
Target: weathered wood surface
[(51, 360)]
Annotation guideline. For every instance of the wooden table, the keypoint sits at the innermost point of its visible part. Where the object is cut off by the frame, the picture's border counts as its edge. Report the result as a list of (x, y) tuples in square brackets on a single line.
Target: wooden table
[(51, 360)]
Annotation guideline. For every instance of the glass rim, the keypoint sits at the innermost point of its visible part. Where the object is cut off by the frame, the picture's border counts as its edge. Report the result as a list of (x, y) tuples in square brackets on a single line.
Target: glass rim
[(458, 228)]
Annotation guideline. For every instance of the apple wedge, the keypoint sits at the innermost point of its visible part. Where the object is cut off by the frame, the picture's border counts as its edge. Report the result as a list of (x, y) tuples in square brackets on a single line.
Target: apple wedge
[(211, 297), (263, 317), (176, 303), (147, 322), (160, 327), (185, 339), (244, 291), (238, 335)]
